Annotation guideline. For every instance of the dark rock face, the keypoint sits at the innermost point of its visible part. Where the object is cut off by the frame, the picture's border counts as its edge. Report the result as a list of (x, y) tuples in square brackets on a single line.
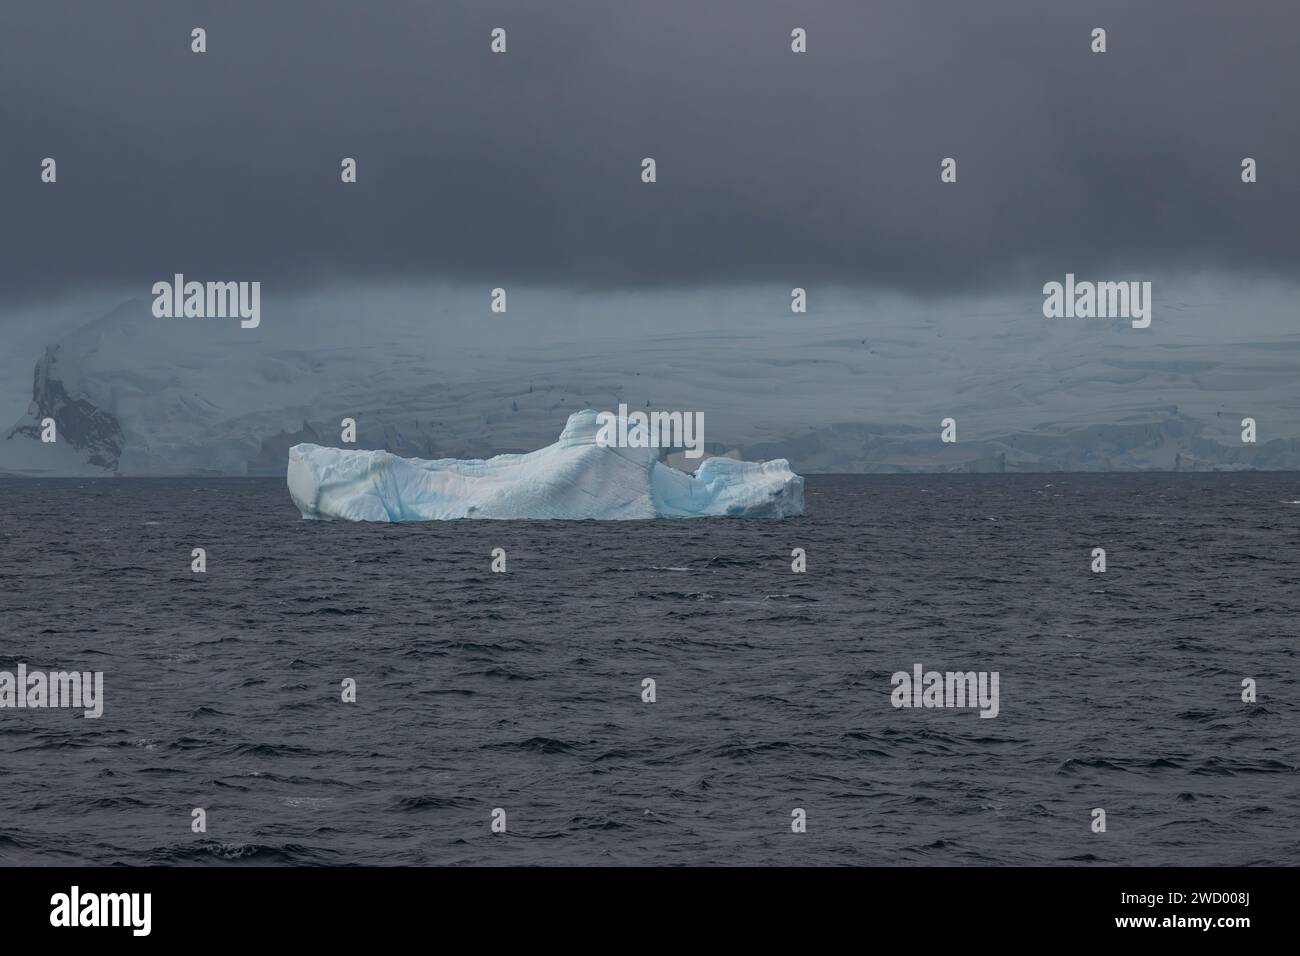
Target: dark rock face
[(94, 433)]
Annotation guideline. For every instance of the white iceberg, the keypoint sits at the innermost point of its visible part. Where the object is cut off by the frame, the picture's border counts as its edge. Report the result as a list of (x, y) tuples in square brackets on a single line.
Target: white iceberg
[(575, 478)]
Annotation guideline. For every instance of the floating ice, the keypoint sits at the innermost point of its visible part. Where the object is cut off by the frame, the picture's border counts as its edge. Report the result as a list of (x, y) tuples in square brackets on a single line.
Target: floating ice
[(574, 478)]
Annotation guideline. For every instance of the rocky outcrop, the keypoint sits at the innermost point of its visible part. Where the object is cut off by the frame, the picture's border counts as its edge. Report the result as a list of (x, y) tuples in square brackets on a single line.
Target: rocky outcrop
[(92, 432)]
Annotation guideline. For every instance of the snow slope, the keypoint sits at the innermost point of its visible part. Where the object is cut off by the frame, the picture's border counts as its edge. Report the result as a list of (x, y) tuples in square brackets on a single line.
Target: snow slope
[(860, 383)]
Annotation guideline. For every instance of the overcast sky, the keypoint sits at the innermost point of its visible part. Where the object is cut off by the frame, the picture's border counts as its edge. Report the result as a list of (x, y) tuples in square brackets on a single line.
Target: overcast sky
[(772, 166)]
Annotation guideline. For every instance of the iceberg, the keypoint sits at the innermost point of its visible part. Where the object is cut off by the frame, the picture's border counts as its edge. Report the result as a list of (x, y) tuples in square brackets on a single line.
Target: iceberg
[(575, 478)]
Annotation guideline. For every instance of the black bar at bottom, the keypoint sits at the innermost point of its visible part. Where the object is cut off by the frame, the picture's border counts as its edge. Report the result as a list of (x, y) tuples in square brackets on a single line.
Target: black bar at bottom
[(951, 907)]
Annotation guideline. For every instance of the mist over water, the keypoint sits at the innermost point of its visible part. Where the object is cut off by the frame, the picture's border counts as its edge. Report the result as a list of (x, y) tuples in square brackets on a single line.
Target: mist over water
[(523, 690)]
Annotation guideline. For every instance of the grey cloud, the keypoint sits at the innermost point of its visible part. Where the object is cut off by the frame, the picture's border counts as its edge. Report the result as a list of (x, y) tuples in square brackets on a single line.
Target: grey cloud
[(772, 166)]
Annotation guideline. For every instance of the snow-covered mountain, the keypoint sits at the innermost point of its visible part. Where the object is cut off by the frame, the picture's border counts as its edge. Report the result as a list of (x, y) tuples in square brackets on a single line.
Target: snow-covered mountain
[(860, 383)]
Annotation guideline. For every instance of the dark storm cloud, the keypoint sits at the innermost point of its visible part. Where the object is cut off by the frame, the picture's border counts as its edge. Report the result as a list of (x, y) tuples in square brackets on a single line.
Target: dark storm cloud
[(772, 166)]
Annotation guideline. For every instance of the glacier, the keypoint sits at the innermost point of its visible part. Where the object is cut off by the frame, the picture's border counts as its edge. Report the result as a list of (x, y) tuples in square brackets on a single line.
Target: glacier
[(575, 478), (136, 395)]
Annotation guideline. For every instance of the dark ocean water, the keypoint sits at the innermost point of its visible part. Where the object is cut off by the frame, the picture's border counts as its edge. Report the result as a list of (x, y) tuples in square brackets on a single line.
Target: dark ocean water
[(522, 690)]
